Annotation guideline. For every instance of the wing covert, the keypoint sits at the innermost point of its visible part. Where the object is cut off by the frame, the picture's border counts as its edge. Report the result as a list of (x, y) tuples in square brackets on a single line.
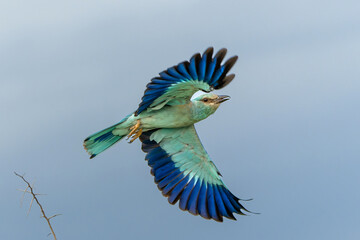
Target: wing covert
[(184, 172), (178, 83)]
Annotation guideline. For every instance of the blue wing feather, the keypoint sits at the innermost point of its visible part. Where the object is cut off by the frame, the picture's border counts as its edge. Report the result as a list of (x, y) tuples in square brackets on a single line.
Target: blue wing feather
[(195, 193), (159, 162), (168, 179), (202, 201), (227, 202), (161, 82), (234, 201), (172, 71), (163, 171), (200, 69), (193, 199), (217, 75), (155, 156), (192, 67), (186, 194), (157, 86), (182, 68), (213, 212), (210, 71), (156, 91), (219, 203), (174, 196), (167, 189), (166, 76)]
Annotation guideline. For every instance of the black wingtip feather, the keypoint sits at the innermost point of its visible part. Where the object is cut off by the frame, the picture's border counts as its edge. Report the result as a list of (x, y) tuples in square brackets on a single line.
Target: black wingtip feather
[(231, 216), (197, 57), (209, 52), (230, 63), (224, 79), (224, 82), (220, 55)]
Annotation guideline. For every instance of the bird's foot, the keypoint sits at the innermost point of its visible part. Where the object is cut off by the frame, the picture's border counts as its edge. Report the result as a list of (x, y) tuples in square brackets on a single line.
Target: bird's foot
[(135, 132)]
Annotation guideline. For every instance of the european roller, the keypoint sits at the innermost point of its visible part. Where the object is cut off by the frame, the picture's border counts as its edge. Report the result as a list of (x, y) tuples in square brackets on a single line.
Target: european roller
[(164, 123)]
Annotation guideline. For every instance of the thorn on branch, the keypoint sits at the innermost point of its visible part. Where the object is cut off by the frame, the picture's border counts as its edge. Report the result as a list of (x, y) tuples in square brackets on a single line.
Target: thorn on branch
[(31, 188), (55, 216)]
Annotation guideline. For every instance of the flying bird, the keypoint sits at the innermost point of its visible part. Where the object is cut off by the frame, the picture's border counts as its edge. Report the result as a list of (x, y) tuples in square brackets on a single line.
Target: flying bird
[(164, 123)]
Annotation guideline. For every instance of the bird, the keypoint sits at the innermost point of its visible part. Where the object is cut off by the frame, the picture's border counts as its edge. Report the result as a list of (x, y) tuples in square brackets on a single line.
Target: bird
[(164, 123)]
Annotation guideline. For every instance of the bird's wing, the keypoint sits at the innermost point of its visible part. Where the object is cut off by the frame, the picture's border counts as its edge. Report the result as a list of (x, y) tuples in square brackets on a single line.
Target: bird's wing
[(183, 171), (177, 84)]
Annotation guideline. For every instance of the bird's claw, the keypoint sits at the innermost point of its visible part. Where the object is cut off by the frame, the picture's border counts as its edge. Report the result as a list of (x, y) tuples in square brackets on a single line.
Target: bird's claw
[(135, 132)]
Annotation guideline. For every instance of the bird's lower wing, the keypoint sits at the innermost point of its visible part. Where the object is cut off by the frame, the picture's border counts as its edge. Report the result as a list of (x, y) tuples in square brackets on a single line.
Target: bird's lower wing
[(183, 171)]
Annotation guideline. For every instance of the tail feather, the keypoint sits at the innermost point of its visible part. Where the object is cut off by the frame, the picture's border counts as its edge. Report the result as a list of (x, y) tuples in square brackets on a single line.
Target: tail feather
[(100, 141)]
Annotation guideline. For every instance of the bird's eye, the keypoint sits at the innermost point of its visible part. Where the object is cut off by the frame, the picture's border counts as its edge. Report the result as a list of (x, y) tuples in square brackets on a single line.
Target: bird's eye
[(205, 100)]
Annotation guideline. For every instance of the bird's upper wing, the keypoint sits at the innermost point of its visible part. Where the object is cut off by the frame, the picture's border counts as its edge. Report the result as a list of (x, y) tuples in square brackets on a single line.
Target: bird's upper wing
[(183, 171), (178, 83)]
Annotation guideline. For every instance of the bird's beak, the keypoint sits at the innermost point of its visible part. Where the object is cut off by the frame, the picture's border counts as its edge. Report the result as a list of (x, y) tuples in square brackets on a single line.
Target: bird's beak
[(222, 98)]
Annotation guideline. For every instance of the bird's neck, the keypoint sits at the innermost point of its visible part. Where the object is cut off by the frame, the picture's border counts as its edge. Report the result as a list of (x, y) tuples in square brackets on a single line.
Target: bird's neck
[(201, 111)]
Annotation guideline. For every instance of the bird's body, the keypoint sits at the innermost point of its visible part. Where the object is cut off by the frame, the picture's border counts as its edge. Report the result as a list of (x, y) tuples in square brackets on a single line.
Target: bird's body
[(168, 117), (172, 116), (164, 122)]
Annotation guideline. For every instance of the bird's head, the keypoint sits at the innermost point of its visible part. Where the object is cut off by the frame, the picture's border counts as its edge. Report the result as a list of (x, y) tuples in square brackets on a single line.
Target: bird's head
[(206, 104)]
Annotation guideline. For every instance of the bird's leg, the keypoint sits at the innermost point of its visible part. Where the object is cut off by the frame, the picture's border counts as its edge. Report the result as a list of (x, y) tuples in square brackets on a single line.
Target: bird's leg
[(134, 128), (135, 132), (136, 135)]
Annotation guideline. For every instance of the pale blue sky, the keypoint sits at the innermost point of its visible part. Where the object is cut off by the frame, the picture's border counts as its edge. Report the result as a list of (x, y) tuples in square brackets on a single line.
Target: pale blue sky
[(289, 137)]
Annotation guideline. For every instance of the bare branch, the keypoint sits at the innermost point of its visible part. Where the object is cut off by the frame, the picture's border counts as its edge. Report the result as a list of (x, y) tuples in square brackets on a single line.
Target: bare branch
[(38, 203)]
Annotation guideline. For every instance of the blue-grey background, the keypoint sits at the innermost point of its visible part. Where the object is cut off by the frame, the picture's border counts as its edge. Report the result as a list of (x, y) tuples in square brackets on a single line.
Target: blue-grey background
[(289, 137)]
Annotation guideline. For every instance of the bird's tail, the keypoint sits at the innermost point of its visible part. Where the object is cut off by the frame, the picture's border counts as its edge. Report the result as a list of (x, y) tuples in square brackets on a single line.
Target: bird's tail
[(100, 141)]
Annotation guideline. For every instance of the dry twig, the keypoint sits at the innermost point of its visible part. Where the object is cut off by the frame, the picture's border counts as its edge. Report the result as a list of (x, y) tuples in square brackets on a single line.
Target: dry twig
[(31, 188)]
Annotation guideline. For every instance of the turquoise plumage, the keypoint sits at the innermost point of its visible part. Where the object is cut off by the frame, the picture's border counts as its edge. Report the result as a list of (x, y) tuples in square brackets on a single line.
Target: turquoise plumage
[(164, 123)]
